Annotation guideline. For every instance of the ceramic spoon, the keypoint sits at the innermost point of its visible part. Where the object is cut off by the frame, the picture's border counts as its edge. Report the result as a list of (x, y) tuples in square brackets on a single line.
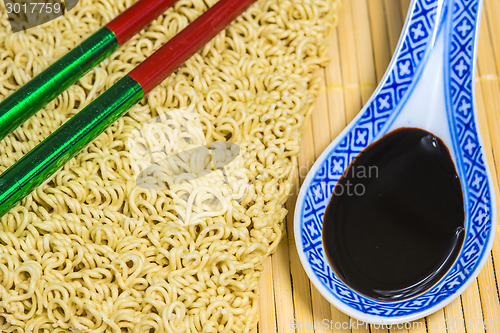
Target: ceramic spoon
[(429, 85)]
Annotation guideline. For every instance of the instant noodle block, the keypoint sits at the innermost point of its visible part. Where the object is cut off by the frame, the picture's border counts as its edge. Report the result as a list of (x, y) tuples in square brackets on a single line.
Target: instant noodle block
[(162, 223)]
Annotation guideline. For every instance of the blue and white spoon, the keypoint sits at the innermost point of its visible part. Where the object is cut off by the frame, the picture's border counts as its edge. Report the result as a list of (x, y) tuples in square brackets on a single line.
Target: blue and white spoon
[(429, 85)]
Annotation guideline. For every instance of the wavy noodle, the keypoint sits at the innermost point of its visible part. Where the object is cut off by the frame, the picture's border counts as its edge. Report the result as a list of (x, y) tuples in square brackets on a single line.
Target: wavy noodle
[(161, 224)]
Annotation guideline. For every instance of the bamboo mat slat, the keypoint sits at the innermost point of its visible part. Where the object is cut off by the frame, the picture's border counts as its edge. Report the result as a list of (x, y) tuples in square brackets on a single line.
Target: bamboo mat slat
[(381, 46), (348, 64), (360, 49), (364, 47), (283, 287), (334, 89)]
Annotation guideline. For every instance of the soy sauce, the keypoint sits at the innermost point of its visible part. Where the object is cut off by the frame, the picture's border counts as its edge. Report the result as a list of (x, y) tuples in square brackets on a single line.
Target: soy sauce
[(395, 222)]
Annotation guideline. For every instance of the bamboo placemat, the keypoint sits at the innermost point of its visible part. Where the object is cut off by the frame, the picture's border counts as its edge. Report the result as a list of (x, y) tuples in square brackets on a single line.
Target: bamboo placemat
[(360, 50)]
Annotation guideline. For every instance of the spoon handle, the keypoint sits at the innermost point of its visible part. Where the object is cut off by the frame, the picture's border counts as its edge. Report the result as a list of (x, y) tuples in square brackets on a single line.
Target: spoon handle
[(416, 41), (461, 56), (460, 68)]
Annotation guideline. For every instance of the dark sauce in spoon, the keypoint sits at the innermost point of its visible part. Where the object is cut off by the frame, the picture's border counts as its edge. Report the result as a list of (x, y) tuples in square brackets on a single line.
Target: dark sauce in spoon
[(395, 223)]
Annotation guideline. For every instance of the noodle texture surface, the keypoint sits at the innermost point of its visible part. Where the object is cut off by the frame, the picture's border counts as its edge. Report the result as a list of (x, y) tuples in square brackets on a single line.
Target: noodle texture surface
[(162, 223)]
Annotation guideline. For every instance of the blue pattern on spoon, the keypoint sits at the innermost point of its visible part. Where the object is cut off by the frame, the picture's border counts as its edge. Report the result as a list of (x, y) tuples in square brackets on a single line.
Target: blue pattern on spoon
[(450, 25)]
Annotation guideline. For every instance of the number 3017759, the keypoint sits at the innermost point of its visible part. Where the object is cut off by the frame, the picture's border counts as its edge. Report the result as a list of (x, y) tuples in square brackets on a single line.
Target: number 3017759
[(33, 8)]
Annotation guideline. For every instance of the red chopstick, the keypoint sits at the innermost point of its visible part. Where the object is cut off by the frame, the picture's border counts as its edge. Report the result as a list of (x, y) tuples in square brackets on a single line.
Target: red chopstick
[(168, 58), (135, 18)]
